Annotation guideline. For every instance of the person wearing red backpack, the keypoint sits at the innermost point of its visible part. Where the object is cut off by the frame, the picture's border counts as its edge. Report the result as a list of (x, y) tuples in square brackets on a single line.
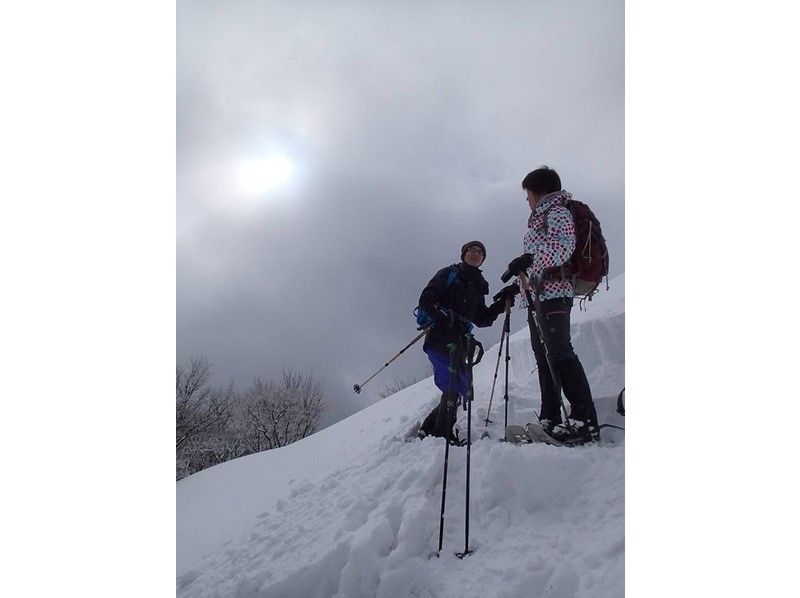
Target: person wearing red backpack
[(549, 244)]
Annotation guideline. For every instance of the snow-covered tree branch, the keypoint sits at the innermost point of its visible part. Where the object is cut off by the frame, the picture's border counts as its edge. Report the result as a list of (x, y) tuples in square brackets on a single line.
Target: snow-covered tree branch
[(276, 414), (214, 425)]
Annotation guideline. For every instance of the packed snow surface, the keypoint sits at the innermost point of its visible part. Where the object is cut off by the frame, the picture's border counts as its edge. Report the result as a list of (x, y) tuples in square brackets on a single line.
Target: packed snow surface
[(353, 510)]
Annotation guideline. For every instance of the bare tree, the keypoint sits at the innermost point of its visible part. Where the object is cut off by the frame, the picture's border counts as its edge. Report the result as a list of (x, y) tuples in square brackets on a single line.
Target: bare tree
[(199, 409), (214, 425), (274, 415), (208, 450), (401, 382), (397, 385)]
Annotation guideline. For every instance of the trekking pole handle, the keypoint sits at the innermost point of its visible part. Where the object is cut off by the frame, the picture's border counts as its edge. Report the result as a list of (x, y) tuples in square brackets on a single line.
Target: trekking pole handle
[(508, 274), (525, 285), (477, 360)]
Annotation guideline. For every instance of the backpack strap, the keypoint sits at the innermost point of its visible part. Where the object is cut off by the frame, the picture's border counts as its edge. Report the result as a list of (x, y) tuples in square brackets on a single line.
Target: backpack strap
[(586, 251), (451, 276)]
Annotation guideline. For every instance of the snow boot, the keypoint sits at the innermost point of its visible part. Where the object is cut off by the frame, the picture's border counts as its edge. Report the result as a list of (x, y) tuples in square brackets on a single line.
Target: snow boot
[(576, 432), (455, 440), (446, 415)]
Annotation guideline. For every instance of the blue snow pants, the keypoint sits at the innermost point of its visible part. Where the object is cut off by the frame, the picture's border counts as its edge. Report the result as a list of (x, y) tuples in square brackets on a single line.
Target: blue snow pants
[(441, 374), (441, 419)]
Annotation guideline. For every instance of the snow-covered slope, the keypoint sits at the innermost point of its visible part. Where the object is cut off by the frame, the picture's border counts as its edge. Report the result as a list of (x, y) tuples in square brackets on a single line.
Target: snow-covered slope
[(354, 511)]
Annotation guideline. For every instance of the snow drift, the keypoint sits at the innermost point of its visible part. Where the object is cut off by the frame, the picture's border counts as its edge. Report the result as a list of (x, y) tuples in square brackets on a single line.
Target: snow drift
[(354, 511)]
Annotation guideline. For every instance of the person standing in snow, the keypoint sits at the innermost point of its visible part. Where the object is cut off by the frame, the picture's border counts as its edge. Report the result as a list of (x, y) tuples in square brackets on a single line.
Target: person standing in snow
[(453, 301), (548, 244)]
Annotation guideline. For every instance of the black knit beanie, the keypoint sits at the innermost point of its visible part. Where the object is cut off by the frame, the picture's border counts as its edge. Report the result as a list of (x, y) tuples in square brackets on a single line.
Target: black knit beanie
[(470, 244)]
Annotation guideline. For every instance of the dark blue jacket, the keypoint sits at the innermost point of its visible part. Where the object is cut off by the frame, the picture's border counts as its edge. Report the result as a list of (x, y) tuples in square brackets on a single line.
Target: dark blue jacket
[(465, 295)]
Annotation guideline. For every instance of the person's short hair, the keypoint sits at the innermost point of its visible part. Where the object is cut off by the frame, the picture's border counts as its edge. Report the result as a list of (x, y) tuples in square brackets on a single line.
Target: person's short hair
[(542, 181)]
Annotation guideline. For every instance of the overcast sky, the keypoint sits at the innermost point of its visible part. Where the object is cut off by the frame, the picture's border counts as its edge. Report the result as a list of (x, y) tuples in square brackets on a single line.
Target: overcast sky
[(410, 126)]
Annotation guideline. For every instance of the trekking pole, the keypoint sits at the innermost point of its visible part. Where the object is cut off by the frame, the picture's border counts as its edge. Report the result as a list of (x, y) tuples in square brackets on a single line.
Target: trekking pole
[(537, 316), (452, 348), (357, 387), (497, 366), (508, 358), (471, 343)]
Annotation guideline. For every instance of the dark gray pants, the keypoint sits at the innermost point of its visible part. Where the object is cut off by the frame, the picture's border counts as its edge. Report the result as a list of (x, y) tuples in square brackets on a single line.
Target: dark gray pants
[(568, 367)]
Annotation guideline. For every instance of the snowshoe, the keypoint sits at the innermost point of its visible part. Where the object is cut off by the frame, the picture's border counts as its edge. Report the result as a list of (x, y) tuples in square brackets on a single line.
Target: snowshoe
[(575, 433), (537, 433), (517, 435)]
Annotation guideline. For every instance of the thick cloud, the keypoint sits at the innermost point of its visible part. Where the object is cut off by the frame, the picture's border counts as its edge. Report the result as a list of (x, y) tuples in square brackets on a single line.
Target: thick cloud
[(412, 125)]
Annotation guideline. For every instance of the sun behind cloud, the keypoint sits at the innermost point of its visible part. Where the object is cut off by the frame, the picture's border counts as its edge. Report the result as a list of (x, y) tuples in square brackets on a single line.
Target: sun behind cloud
[(265, 173)]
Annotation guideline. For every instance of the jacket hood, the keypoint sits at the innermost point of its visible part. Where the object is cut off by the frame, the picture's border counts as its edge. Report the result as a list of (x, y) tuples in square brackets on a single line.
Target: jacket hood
[(548, 202)]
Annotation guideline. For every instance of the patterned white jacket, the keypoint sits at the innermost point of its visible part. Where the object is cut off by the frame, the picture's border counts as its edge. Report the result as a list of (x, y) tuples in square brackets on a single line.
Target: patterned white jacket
[(551, 244)]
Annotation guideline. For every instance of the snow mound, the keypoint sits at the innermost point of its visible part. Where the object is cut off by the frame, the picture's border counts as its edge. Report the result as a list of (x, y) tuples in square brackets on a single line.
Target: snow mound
[(354, 510)]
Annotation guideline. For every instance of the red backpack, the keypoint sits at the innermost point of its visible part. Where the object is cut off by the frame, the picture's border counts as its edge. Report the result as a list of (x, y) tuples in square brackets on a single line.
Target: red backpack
[(589, 262)]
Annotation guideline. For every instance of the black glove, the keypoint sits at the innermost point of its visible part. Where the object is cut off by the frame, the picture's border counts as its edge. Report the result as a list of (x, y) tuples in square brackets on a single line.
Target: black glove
[(444, 317), (498, 307), (518, 264), (507, 292)]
